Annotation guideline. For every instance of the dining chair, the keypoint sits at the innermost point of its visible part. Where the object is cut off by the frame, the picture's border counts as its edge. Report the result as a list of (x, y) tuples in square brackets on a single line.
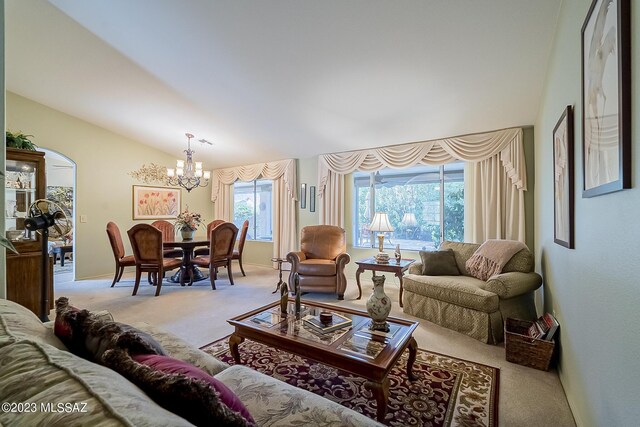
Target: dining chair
[(168, 235), (221, 241), (237, 253), (122, 260), (146, 241), (213, 224)]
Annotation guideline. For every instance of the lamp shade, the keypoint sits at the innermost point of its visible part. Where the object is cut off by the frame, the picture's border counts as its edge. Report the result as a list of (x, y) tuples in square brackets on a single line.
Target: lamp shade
[(409, 219), (380, 223)]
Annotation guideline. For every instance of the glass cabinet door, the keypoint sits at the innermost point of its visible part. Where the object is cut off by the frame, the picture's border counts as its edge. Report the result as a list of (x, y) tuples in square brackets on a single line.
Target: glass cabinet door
[(20, 192)]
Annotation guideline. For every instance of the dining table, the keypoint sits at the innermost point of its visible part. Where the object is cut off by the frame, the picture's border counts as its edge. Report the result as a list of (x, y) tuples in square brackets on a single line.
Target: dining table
[(188, 269)]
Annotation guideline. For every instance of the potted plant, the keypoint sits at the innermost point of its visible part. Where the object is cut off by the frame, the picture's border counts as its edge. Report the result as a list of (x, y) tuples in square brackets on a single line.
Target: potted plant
[(20, 140), (188, 222)]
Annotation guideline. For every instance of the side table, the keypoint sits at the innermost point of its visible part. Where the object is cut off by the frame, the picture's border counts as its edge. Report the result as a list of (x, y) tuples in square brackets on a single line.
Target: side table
[(398, 268), (280, 282)]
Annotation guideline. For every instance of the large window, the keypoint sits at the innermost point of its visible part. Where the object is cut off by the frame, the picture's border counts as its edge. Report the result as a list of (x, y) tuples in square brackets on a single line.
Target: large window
[(425, 205), (253, 201)]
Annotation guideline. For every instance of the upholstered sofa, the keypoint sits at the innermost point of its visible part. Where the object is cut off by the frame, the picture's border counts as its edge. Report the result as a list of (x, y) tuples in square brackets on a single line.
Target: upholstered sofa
[(36, 368), (472, 306), (321, 260)]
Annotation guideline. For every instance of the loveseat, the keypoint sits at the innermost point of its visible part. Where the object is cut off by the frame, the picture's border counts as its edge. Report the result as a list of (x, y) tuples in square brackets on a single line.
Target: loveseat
[(38, 374), (469, 305)]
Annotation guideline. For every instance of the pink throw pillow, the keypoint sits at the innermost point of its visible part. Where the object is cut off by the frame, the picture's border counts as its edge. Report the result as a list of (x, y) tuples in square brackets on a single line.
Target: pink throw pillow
[(169, 365)]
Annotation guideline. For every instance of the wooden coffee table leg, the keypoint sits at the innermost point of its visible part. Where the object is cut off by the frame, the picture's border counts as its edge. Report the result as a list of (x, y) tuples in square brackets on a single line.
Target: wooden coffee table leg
[(413, 350), (360, 270), (234, 342), (381, 392)]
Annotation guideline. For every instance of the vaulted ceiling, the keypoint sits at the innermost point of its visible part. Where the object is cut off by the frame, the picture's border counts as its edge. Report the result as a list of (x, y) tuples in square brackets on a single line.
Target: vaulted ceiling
[(267, 80)]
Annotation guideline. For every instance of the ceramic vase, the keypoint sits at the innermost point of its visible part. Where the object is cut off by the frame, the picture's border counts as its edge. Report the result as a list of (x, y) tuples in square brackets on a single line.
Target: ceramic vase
[(378, 306), (187, 233)]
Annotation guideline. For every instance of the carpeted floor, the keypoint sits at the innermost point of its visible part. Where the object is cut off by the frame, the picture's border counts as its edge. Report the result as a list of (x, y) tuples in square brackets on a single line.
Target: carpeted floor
[(449, 391)]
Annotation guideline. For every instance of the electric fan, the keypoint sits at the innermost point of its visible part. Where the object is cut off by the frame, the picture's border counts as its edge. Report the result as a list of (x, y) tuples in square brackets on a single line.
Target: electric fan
[(49, 219)]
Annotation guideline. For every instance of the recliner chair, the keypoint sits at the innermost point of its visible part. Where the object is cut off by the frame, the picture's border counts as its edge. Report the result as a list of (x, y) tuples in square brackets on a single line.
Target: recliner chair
[(321, 260)]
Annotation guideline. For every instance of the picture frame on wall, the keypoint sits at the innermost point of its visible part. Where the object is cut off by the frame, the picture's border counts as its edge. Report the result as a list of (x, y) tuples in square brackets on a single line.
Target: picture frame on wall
[(303, 196), (563, 177), (156, 202), (606, 97), (312, 199)]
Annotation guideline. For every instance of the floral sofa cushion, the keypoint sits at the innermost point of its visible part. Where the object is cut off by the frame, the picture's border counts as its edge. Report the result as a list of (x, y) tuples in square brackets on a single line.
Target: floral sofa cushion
[(272, 402)]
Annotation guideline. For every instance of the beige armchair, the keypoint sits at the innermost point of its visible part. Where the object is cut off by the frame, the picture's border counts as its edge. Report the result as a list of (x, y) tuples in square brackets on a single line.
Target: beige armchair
[(321, 260)]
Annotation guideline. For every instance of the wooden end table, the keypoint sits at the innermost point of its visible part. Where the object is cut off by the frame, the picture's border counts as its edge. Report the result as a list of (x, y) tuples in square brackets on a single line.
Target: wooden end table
[(398, 268), (355, 349)]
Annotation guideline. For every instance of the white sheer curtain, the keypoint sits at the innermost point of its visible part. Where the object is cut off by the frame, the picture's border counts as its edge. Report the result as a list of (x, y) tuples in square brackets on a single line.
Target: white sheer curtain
[(502, 150), (283, 174)]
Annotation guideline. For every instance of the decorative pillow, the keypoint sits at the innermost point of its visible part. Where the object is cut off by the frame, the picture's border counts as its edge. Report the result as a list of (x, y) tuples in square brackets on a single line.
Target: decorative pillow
[(169, 365), (193, 399), (439, 263), (88, 336)]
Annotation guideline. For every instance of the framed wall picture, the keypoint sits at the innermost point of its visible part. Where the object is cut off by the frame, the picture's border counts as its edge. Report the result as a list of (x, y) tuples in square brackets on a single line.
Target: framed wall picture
[(563, 179), (156, 202), (606, 97), (303, 196), (312, 199)]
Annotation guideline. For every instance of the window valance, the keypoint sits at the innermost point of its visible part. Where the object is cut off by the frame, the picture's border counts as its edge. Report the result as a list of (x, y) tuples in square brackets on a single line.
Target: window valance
[(270, 170), (470, 148)]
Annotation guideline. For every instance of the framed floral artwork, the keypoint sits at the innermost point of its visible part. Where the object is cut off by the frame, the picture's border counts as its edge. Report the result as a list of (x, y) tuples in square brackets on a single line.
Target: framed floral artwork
[(156, 202), (563, 179), (606, 97)]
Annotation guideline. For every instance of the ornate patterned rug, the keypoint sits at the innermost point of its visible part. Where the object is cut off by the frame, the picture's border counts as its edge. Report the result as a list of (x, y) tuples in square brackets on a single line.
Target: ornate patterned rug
[(448, 392)]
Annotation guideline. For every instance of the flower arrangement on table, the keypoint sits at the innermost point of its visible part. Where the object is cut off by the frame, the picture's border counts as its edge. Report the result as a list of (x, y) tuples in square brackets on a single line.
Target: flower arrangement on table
[(188, 220)]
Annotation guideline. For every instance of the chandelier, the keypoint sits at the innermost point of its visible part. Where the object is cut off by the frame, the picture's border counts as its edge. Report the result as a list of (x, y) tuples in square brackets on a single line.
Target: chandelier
[(189, 174)]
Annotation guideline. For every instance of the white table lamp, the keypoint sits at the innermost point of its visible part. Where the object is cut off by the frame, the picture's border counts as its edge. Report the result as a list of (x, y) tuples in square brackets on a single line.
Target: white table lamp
[(382, 225)]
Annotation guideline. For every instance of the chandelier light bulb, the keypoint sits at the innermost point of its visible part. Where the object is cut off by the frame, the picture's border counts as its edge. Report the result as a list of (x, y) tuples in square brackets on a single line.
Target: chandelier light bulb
[(171, 172), (198, 165), (179, 171), (180, 164), (207, 175), (198, 173)]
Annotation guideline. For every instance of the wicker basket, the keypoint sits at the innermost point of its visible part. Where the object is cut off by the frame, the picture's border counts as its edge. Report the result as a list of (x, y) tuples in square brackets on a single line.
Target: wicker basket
[(524, 350)]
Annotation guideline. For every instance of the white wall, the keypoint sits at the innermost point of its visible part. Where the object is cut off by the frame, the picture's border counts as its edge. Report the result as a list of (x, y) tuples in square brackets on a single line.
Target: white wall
[(594, 289), (103, 186)]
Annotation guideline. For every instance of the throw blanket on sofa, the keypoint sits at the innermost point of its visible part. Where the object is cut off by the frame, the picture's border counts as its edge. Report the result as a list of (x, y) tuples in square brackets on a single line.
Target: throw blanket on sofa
[(491, 257)]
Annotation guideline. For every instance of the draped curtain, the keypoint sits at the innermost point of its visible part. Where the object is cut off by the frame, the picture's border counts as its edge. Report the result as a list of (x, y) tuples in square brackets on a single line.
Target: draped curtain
[(497, 178), (283, 174)]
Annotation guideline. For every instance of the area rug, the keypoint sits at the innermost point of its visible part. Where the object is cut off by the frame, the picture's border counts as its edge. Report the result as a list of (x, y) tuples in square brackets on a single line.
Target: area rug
[(448, 392)]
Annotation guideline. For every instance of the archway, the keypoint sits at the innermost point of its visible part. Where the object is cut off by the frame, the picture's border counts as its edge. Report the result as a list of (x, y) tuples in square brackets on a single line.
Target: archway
[(61, 188)]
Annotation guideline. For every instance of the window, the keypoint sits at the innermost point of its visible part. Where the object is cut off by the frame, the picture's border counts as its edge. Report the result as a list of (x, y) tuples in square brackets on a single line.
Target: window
[(253, 201), (425, 205)]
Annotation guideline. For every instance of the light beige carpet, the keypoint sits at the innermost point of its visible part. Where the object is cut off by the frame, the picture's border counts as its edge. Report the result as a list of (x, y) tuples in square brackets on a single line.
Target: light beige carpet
[(528, 397)]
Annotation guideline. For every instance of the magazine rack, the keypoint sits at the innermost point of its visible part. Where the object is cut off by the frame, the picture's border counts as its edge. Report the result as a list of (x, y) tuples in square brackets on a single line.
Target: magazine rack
[(524, 350)]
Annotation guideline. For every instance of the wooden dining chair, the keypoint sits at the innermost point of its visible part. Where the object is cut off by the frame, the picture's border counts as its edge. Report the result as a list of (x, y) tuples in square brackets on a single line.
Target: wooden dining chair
[(122, 260), (168, 235), (146, 241), (237, 253), (221, 241), (213, 224)]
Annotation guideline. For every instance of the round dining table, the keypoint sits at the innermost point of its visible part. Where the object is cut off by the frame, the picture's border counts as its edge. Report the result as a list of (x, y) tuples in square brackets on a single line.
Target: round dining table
[(187, 268)]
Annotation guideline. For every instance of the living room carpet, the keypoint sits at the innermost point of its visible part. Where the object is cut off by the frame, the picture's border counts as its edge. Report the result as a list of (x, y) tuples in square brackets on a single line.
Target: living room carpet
[(448, 392)]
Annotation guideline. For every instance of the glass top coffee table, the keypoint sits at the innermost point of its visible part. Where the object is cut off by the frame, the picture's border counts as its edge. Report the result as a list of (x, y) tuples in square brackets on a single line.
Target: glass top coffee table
[(355, 349)]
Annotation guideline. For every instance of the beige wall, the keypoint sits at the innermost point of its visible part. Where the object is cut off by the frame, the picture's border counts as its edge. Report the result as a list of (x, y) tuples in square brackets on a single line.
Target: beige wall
[(594, 288), (103, 188)]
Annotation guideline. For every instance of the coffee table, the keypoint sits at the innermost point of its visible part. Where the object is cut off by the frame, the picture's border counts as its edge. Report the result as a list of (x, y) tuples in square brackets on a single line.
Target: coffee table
[(397, 268), (355, 349)]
